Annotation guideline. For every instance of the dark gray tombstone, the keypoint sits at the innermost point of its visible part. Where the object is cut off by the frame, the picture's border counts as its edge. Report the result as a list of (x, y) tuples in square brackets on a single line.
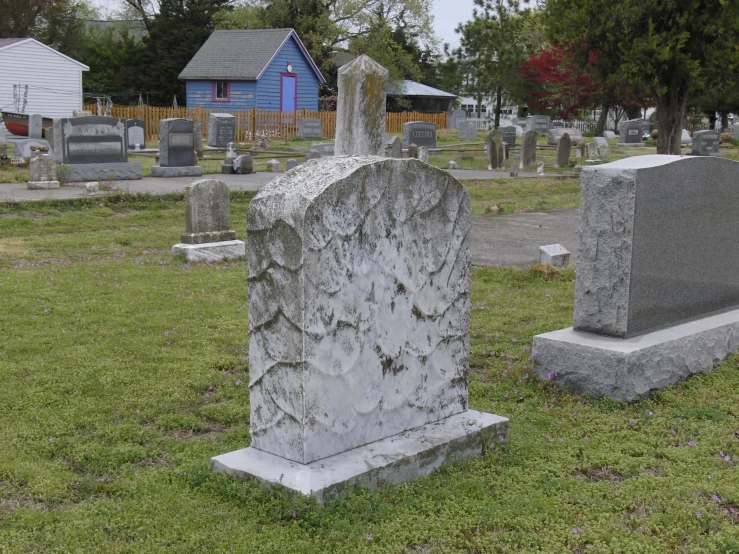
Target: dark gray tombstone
[(631, 131), (310, 128), (467, 129), (558, 124), (396, 148), (34, 126), (454, 117), (509, 134), (326, 149), (538, 123), (135, 133), (419, 133), (290, 164), (221, 129), (564, 148), (657, 292), (705, 143), (244, 165), (528, 149), (176, 143)]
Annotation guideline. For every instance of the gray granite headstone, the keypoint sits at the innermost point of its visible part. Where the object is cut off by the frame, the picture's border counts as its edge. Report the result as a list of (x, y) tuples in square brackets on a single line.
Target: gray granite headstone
[(291, 163), (592, 150), (509, 134), (467, 129), (176, 143), (601, 141), (312, 154), (360, 108), (554, 254), (34, 126), (609, 135), (396, 148), (244, 165), (553, 135), (538, 123), (528, 149), (631, 131), (706, 143), (564, 149), (207, 213), (420, 133), (221, 129), (135, 133), (310, 128), (273, 166), (454, 117), (90, 140), (326, 149)]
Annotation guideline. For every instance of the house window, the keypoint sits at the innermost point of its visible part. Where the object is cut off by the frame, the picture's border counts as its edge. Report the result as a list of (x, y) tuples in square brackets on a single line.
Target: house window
[(220, 90)]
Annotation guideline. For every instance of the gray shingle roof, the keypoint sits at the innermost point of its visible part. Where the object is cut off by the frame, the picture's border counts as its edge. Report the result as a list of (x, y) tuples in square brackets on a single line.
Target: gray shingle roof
[(238, 55), (8, 41), (412, 88)]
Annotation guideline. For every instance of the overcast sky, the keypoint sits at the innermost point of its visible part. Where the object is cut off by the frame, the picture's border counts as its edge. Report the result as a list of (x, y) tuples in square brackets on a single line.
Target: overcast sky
[(447, 15)]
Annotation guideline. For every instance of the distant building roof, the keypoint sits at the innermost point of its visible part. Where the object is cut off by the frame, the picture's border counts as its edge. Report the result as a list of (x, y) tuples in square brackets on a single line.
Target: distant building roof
[(412, 88), (134, 27), (8, 41), (241, 55)]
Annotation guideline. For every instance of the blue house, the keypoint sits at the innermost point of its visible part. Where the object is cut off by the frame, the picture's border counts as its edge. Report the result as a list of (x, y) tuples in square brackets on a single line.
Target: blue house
[(268, 69)]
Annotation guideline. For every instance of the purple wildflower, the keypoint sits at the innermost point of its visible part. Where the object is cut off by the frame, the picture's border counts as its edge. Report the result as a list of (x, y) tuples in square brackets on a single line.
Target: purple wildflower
[(633, 422), (692, 443), (576, 530), (698, 515), (368, 537), (239, 382)]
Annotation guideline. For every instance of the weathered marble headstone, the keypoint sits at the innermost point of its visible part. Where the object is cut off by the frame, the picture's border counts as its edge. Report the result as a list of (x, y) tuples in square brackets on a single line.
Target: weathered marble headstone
[(515, 163), (554, 254), (360, 108), (603, 152), (558, 125), (359, 307), (454, 117), (538, 123), (592, 151), (208, 235), (467, 129), (420, 133), (325, 148), (734, 130), (413, 151), (600, 141), (291, 163), (492, 151), (564, 148), (244, 165), (135, 133), (509, 134), (528, 149), (451, 164), (312, 155), (554, 135), (221, 129), (656, 295), (423, 154), (609, 135), (93, 148), (705, 143), (176, 149), (396, 148), (631, 131), (43, 172), (273, 166), (310, 128), (685, 138), (34, 126)]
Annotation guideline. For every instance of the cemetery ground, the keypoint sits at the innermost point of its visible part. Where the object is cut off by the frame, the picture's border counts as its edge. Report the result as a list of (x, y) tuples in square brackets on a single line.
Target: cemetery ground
[(125, 369)]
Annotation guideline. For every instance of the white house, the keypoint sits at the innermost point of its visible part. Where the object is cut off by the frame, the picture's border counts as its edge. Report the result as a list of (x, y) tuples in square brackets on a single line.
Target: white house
[(54, 80)]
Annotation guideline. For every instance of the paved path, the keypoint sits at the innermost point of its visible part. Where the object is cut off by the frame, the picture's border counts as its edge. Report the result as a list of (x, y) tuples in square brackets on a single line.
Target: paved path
[(496, 240)]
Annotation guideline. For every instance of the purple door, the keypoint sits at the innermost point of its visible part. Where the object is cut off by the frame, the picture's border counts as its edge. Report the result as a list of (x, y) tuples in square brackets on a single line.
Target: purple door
[(289, 93)]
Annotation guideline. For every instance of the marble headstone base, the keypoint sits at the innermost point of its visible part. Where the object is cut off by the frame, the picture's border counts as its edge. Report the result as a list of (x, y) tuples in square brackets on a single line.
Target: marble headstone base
[(211, 251), (396, 459), (42, 185), (119, 171), (629, 369), (185, 171)]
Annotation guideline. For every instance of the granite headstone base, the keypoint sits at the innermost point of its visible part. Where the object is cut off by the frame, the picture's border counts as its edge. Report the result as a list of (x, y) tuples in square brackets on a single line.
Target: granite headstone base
[(185, 171), (119, 171), (211, 251), (22, 147), (631, 144), (396, 459), (42, 185), (629, 369)]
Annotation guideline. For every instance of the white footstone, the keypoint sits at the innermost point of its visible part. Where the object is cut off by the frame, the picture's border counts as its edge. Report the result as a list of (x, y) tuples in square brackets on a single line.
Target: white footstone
[(211, 251)]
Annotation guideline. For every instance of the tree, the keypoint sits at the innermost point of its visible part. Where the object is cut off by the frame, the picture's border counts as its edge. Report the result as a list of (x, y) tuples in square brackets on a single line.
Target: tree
[(671, 47), (491, 51), (554, 83), (176, 33)]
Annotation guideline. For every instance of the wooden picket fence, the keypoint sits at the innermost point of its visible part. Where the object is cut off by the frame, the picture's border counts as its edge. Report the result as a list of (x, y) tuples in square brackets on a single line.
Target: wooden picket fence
[(250, 123)]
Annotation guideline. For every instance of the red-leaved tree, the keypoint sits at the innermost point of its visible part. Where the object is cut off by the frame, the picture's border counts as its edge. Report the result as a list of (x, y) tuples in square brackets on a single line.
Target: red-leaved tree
[(554, 83)]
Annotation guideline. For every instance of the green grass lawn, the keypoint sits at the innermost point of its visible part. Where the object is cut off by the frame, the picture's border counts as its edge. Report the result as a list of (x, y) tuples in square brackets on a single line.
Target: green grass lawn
[(124, 370)]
